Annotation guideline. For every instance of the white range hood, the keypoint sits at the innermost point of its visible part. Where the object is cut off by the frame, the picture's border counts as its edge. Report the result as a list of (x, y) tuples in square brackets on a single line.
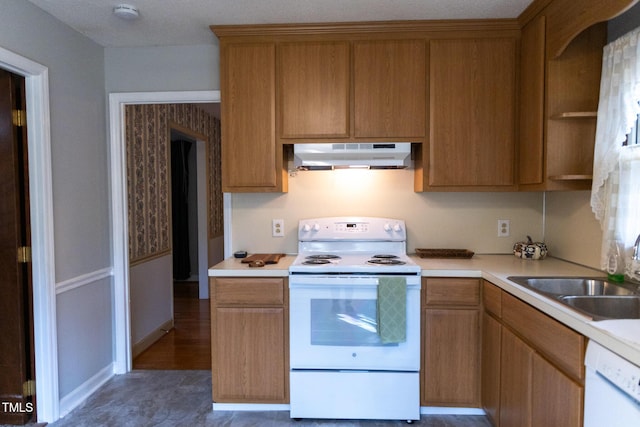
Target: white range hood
[(372, 155)]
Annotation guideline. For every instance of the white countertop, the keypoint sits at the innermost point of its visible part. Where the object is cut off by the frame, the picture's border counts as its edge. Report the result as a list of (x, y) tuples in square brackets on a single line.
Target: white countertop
[(232, 267), (620, 336)]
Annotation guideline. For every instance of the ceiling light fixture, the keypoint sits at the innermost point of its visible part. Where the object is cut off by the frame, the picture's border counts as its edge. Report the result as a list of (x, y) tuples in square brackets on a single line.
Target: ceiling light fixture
[(126, 12)]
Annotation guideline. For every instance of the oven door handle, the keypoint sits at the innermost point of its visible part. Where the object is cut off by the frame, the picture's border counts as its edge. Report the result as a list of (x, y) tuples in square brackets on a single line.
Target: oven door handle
[(332, 281), (341, 281)]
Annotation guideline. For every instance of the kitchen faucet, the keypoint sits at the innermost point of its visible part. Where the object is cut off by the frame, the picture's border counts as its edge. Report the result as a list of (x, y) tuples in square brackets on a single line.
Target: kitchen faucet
[(635, 259)]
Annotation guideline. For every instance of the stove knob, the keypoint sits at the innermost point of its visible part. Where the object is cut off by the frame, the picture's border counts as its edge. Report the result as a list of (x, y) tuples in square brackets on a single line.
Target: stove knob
[(397, 228), (306, 228), (316, 227), (387, 227)]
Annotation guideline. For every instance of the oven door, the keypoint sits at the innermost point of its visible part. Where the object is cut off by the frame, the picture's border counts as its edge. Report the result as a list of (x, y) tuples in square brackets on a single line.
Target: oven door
[(333, 325)]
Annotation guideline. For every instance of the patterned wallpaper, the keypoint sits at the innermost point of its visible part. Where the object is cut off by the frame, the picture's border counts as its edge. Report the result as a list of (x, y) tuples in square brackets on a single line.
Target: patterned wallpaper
[(148, 144)]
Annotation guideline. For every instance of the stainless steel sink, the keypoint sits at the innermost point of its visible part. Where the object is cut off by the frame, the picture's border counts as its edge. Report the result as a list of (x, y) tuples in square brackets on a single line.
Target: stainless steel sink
[(593, 296), (560, 286), (605, 307)]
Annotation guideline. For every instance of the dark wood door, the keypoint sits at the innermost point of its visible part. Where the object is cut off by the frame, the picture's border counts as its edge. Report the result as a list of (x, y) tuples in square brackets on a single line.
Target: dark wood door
[(16, 312)]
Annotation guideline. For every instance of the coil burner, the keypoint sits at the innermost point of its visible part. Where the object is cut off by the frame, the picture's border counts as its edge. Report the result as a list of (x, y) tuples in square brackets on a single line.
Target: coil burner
[(386, 261), (320, 259)]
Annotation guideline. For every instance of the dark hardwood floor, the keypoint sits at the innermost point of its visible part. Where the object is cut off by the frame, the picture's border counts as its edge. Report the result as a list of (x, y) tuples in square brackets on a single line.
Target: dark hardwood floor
[(188, 344)]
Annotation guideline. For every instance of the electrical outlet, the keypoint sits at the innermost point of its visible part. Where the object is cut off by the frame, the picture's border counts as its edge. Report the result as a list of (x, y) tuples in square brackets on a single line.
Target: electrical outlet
[(277, 228), (503, 228)]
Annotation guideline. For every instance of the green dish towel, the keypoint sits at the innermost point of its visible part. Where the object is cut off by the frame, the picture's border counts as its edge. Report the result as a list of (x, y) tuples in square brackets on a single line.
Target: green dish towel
[(392, 309)]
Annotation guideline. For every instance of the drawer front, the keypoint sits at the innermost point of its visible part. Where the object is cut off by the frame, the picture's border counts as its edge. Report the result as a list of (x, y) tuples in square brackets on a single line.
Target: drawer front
[(452, 291), (248, 290), (491, 298), (557, 342)]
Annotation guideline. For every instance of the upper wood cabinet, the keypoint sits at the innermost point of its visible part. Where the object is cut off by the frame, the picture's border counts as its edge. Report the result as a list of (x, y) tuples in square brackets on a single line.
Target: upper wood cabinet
[(532, 65), (389, 80), (573, 88), (313, 87), (319, 91), (250, 160), (494, 105), (472, 114), (558, 104), (560, 67)]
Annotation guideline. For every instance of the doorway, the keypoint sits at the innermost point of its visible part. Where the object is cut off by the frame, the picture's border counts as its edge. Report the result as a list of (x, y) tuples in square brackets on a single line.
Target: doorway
[(188, 344), (42, 236), (17, 373), (117, 104), (189, 216)]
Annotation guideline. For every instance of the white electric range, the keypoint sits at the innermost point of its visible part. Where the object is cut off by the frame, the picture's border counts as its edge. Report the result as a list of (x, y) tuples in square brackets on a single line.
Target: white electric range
[(340, 366)]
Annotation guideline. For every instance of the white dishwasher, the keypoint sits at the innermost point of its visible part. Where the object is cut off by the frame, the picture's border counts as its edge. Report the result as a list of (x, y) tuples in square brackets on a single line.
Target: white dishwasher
[(612, 389)]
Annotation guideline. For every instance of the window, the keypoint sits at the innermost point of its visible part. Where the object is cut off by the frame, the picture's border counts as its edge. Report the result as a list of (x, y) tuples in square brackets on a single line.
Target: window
[(615, 195)]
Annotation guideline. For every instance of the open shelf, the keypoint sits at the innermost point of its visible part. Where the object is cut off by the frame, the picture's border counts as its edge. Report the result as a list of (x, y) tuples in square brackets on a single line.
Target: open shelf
[(575, 115), (571, 177)]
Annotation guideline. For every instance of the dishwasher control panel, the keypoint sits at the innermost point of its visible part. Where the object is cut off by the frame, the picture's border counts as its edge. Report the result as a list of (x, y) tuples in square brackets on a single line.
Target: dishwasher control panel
[(619, 371)]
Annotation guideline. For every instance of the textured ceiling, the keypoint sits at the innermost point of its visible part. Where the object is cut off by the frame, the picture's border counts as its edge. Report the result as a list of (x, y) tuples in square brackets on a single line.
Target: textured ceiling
[(185, 22)]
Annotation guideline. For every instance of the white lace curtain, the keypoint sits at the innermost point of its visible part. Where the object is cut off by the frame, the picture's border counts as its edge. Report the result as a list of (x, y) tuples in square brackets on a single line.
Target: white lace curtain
[(615, 195)]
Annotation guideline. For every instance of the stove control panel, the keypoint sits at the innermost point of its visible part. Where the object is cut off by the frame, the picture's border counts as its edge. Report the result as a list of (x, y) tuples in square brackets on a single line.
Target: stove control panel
[(351, 228)]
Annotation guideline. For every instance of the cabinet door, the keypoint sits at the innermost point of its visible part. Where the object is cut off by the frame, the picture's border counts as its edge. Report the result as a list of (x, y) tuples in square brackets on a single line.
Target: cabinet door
[(472, 112), (515, 382), (491, 344), (557, 400), (249, 360), (247, 76), (451, 357), (532, 65), (313, 89), (390, 88)]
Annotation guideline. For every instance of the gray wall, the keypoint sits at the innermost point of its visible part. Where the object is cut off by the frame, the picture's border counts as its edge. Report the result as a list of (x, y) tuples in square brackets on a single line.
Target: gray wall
[(160, 69), (80, 184)]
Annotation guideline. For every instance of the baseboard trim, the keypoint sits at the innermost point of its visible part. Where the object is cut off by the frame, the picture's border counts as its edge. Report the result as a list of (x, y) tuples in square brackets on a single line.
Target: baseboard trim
[(250, 407), (443, 410), (86, 389), (154, 336), (424, 410)]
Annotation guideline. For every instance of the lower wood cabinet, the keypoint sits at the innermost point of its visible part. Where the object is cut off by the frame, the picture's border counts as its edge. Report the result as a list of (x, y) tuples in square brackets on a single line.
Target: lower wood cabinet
[(490, 366), (451, 341), (529, 379), (249, 340), (556, 400), (515, 381)]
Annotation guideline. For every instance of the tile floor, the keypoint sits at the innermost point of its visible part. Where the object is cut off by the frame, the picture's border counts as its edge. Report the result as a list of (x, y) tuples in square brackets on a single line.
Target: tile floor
[(183, 398)]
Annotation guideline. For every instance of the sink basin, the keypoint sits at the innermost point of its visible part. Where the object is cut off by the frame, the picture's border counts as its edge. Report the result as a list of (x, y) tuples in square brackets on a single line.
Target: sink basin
[(559, 286), (605, 307)]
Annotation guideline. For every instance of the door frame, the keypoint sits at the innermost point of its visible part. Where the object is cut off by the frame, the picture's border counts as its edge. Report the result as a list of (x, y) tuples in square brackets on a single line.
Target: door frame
[(42, 230), (119, 210)]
